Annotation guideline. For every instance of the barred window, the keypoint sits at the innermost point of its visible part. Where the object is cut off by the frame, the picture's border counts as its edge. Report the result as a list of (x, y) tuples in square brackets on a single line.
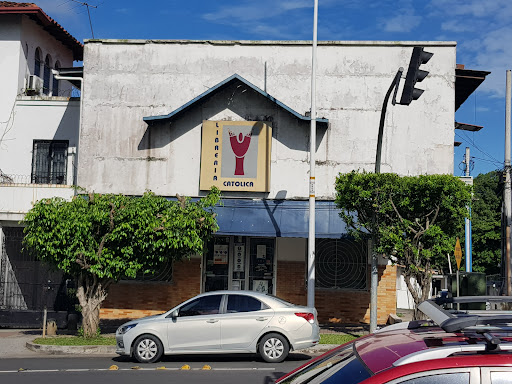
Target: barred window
[(49, 161), (342, 264)]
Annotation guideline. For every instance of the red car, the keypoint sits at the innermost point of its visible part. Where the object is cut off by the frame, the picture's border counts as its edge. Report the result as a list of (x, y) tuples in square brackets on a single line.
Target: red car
[(454, 347)]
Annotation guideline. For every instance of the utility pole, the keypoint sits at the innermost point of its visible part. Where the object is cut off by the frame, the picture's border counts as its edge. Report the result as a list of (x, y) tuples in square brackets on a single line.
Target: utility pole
[(506, 192), (312, 149), (468, 238)]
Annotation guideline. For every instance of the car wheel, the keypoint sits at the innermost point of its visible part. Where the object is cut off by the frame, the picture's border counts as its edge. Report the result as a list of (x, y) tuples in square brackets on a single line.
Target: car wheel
[(147, 349), (273, 348)]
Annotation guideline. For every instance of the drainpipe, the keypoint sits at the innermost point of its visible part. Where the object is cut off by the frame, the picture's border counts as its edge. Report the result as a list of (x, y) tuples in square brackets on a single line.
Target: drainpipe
[(57, 76)]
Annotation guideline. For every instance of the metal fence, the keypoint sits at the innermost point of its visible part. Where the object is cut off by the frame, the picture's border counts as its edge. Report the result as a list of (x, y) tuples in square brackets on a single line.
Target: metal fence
[(14, 179), (25, 283)]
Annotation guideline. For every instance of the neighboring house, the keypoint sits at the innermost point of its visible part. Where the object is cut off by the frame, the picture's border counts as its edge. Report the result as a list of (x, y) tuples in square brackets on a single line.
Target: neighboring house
[(234, 114), (39, 123)]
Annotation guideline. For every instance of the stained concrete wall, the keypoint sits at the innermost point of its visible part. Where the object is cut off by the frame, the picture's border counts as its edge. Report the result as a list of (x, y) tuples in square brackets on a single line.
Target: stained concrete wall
[(127, 80)]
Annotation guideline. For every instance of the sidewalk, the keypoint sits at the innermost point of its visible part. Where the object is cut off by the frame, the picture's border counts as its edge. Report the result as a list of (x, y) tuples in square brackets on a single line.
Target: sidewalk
[(13, 343)]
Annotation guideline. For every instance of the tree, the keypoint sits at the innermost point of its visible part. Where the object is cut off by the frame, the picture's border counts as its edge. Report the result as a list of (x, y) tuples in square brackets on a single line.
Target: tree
[(99, 239), (486, 222), (414, 219)]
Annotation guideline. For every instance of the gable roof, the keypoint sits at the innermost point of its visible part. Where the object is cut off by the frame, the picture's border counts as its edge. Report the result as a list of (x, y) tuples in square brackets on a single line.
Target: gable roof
[(223, 84), (35, 13)]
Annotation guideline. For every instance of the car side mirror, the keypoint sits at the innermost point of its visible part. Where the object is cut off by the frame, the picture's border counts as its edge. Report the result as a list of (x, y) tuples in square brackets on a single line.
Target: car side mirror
[(174, 314)]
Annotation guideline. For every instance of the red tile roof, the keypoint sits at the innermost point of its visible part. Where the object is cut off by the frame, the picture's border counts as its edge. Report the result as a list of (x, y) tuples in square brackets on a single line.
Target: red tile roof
[(51, 26)]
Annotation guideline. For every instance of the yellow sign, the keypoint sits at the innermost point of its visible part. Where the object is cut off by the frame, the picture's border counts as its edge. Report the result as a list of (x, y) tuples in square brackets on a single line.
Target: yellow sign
[(458, 253), (235, 156)]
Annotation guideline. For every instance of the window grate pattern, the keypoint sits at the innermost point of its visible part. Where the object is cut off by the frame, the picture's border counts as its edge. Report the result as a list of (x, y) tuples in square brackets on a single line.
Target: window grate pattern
[(49, 162), (342, 264)]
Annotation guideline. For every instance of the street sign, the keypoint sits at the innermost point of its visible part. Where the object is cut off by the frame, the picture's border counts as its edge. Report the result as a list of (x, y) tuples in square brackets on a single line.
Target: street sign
[(458, 253)]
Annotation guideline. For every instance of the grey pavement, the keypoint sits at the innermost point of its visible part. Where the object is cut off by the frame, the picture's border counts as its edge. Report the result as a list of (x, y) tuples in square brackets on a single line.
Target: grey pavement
[(13, 343)]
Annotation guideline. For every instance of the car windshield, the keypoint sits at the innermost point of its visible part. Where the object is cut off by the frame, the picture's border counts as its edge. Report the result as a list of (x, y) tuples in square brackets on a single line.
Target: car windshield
[(341, 365)]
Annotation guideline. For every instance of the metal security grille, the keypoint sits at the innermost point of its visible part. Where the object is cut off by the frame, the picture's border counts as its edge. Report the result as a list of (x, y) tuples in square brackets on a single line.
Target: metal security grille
[(49, 161), (341, 263), (25, 283)]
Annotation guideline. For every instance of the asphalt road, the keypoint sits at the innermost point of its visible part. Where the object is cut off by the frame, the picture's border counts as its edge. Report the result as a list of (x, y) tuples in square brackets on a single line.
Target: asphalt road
[(247, 369)]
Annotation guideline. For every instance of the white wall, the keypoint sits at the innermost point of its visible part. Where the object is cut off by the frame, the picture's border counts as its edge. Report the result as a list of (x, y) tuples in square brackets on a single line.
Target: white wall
[(10, 35), (16, 199), (33, 36), (291, 249), (353, 77), (19, 38), (37, 119)]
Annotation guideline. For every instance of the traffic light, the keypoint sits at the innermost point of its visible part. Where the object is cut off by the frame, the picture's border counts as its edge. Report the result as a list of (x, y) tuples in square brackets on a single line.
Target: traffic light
[(415, 74)]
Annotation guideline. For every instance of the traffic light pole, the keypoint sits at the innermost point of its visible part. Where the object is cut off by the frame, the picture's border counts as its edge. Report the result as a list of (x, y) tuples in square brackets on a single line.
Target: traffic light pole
[(394, 85), (374, 282)]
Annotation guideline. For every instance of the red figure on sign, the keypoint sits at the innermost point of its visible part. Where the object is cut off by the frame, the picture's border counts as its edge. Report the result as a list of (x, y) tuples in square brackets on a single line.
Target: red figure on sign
[(239, 145)]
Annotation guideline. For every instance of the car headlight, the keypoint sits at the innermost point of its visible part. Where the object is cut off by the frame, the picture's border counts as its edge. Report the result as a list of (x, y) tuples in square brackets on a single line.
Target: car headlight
[(125, 328)]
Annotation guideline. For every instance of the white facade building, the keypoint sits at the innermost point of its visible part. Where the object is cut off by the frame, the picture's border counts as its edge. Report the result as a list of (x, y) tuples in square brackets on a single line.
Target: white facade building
[(352, 79), (180, 116), (39, 123)]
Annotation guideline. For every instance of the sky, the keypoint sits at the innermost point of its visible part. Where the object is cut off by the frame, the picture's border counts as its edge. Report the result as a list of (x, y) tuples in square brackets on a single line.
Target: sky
[(481, 28)]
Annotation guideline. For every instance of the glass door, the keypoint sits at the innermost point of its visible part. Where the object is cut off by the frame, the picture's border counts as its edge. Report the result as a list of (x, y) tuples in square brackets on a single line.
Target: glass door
[(216, 264), (262, 267)]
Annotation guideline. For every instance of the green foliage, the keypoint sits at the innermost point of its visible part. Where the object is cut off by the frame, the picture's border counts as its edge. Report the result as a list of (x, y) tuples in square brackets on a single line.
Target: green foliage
[(76, 340), (115, 236), (415, 219), (486, 223), (336, 338), (81, 333)]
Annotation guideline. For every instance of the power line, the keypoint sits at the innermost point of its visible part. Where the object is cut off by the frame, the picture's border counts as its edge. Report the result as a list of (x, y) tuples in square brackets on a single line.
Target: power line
[(478, 148)]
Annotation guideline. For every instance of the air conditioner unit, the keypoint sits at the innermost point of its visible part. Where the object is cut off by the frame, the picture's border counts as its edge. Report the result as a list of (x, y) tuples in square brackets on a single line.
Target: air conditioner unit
[(35, 84)]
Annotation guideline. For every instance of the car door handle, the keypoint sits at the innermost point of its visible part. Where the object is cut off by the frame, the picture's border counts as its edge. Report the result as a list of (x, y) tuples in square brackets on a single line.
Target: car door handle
[(261, 318), (211, 321)]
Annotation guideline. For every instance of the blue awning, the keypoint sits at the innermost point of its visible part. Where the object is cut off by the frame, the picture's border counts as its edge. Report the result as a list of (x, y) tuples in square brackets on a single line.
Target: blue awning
[(278, 218)]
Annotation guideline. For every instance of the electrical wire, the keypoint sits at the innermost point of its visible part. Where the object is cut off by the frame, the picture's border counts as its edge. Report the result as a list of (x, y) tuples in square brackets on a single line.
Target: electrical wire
[(472, 141), (466, 139)]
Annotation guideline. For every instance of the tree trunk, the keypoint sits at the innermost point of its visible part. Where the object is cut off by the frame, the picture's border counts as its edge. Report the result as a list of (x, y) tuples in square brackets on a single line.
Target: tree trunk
[(423, 281), (91, 292)]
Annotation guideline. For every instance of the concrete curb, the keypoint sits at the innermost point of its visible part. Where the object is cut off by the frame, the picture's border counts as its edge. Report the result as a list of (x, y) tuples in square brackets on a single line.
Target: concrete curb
[(317, 349), (72, 349), (111, 349)]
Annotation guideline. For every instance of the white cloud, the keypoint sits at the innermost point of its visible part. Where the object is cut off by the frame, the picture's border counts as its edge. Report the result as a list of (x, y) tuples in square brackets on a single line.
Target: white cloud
[(456, 26), (252, 11), (483, 30), (473, 8), (405, 21)]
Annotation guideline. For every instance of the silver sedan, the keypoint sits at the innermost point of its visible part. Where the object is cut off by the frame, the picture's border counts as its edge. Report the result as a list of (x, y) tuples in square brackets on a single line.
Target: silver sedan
[(222, 322)]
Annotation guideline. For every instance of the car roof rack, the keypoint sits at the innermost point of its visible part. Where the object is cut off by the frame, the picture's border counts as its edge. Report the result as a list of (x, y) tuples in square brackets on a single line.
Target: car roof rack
[(467, 322), (454, 321)]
